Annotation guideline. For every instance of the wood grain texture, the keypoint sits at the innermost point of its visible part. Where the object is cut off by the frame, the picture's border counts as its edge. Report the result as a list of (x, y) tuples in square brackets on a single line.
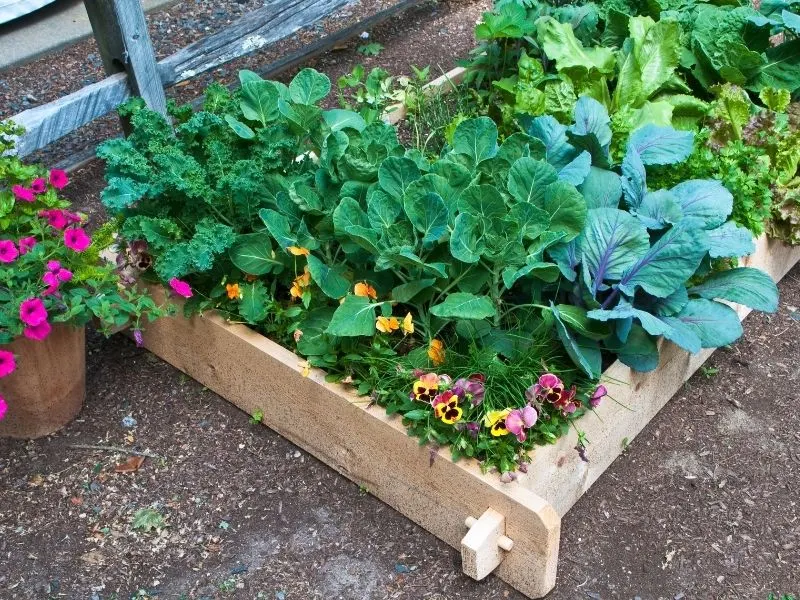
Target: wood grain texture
[(557, 473), (362, 442), (276, 20)]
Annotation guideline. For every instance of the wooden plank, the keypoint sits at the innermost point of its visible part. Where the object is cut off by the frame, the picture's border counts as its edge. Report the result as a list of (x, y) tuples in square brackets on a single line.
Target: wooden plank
[(276, 20), (557, 473), (374, 450), (361, 442), (139, 59), (444, 84), (49, 122)]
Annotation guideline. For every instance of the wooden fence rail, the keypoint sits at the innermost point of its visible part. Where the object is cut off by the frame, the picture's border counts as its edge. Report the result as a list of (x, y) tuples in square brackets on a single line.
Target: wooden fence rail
[(129, 61)]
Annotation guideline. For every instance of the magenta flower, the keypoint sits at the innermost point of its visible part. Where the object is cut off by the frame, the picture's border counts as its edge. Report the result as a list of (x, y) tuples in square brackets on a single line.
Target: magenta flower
[(37, 332), (53, 265), (55, 218), (26, 244), (138, 338), (180, 287), (23, 193), (58, 179), (8, 251), (32, 312), (39, 185), (3, 408), (470, 389), (549, 387), (597, 396), (50, 279), (76, 239), (64, 275), (7, 363), (520, 419), (566, 401)]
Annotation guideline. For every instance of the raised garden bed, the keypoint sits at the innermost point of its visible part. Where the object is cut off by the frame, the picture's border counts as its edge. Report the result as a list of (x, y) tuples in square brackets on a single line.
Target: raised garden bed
[(372, 449)]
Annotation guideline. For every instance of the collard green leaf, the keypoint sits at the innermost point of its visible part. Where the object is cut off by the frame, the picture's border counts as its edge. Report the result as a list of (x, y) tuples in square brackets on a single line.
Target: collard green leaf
[(659, 209), (253, 254), (428, 214), (576, 319), (259, 101), (601, 189), (611, 243), (558, 151), (476, 139), (591, 117), (716, 324), (706, 199), (483, 201), (566, 207), (354, 317), (396, 174), (309, 87), (328, 279), (466, 240), (730, 241), (545, 271), (348, 214), (639, 352), (743, 285), (577, 169), (338, 119), (782, 68), (584, 355), (528, 178), (254, 304), (669, 262), (634, 179), (278, 227), (529, 219), (460, 305), (661, 145), (239, 128), (382, 209), (406, 292)]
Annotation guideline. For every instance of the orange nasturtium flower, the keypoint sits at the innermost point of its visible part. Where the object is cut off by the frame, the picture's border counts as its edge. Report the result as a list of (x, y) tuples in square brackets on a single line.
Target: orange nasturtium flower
[(362, 288), (298, 251), (408, 325), (436, 351), (233, 291), (387, 324), (300, 282)]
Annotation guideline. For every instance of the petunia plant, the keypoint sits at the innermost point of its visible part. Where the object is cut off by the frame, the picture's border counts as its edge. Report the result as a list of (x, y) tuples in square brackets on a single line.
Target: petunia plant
[(51, 272)]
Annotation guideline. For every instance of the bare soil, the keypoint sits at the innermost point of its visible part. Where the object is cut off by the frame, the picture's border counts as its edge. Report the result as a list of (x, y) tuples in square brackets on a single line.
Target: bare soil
[(702, 505)]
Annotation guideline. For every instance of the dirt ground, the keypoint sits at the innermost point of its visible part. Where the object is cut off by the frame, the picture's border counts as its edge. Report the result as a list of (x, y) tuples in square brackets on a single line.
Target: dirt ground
[(703, 504)]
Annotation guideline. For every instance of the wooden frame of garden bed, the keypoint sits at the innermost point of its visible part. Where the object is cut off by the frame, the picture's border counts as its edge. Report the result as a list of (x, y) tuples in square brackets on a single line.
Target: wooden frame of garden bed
[(374, 450)]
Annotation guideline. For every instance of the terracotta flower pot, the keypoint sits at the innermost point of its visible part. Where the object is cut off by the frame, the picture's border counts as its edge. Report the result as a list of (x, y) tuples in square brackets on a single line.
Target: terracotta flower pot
[(47, 389)]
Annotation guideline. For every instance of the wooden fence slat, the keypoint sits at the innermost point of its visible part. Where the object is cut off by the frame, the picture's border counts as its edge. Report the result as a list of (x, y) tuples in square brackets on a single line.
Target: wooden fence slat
[(277, 20), (47, 123), (140, 58)]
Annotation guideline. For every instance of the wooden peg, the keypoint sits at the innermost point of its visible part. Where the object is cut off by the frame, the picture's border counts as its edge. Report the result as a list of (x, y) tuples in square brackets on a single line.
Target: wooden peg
[(485, 545)]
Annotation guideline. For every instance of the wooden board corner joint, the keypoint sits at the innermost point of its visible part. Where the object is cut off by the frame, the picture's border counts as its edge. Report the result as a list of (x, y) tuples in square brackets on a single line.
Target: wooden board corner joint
[(485, 545)]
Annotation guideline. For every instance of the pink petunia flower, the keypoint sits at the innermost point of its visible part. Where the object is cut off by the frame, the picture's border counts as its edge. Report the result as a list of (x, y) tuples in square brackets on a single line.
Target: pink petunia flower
[(55, 218), (64, 275), (3, 408), (8, 251), (53, 265), (7, 363), (50, 279), (37, 332), (521, 419), (32, 312), (76, 239), (23, 193), (72, 217), (58, 179), (26, 244), (39, 185), (180, 287)]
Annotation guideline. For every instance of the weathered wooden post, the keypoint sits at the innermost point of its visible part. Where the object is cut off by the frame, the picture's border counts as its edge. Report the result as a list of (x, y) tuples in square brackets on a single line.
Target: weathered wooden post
[(120, 29)]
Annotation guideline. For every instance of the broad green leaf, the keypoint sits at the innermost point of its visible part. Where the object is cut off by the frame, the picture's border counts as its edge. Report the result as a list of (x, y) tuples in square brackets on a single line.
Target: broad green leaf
[(259, 101), (634, 179), (669, 262), (476, 139), (713, 322), (254, 305), (601, 189), (659, 209), (466, 240), (560, 44), (661, 145), (428, 214), (253, 254), (584, 353), (531, 220), (338, 119), (246, 76), (706, 199), (278, 227), (355, 316), (437, 185), (483, 201), (396, 174), (730, 241), (460, 305), (782, 68), (566, 207), (639, 352), (545, 271), (329, 280), (382, 209), (575, 317), (407, 291), (611, 243), (348, 214), (577, 169), (528, 178), (309, 87), (239, 128), (743, 285)]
